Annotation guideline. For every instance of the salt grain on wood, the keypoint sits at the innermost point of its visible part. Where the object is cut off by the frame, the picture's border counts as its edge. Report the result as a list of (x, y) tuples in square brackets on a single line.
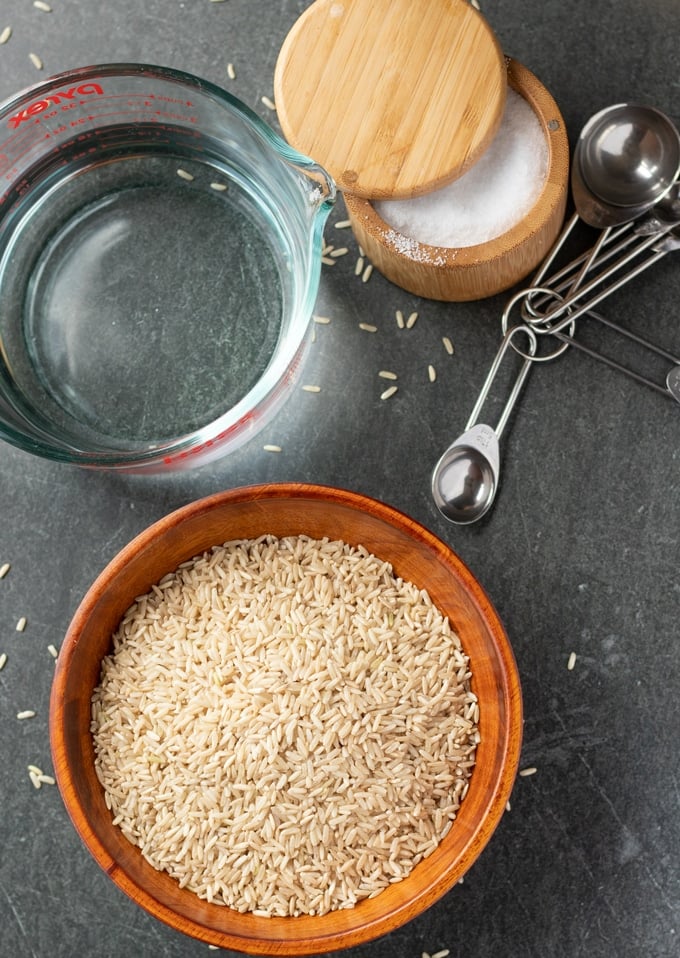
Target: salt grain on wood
[(491, 197)]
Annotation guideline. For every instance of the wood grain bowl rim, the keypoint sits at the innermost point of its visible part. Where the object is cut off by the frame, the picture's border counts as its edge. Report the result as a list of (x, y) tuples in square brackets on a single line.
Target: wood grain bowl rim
[(156, 549)]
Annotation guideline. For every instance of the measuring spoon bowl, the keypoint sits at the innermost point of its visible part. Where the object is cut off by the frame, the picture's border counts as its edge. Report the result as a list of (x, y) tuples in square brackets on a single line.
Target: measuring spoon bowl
[(465, 479), (626, 159)]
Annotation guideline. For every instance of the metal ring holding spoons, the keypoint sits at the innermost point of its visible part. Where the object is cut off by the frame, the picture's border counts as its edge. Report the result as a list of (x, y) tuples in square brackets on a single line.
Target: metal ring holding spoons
[(465, 480)]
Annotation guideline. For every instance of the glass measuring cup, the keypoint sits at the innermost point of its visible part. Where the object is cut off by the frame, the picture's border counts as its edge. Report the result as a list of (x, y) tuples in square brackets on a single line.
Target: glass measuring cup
[(160, 251)]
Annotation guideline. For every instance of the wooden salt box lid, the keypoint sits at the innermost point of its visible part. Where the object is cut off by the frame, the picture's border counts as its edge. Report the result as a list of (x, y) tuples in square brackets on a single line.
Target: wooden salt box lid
[(393, 97)]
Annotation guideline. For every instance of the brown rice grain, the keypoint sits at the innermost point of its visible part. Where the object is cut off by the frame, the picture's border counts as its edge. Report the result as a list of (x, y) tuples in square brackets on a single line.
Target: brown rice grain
[(295, 764)]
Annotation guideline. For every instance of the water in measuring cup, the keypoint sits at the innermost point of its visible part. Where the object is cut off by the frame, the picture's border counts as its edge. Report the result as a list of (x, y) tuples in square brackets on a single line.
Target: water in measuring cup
[(149, 293)]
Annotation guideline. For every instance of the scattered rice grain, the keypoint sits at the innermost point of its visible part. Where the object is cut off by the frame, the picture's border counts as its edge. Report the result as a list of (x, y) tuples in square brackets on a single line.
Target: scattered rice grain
[(41, 5), (386, 374), (4, 569), (400, 318), (444, 953), (52, 649), (366, 275), (46, 779), (35, 60), (322, 320), (342, 251), (411, 321), (5, 35), (185, 175), (270, 447), (327, 261), (34, 770), (359, 266), (21, 624), (572, 661), (448, 345), (35, 780), (3, 660), (312, 389), (231, 71), (390, 391), (431, 373), (343, 224), (268, 102), (26, 714), (368, 327), (219, 187), (531, 770)]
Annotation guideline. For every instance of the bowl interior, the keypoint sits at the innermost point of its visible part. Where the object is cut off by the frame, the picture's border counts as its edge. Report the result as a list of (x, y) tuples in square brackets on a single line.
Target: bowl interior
[(287, 509)]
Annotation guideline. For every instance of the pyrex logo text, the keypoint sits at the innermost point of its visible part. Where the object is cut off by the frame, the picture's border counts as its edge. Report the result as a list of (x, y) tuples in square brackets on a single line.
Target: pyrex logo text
[(52, 99)]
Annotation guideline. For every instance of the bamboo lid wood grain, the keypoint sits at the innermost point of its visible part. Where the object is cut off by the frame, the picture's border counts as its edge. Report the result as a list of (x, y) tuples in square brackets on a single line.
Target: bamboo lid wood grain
[(393, 97)]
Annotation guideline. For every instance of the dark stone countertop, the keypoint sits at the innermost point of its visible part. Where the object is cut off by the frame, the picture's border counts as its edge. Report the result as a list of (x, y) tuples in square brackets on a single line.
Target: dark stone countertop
[(580, 553)]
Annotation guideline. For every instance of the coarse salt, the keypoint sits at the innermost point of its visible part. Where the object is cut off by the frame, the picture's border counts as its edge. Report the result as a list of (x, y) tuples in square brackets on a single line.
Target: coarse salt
[(490, 198)]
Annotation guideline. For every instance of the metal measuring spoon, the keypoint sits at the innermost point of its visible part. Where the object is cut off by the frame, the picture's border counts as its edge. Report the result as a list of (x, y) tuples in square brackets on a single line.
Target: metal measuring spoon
[(626, 159), (465, 480)]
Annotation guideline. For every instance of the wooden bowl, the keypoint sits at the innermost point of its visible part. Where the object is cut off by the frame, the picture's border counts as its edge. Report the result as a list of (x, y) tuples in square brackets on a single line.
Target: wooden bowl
[(287, 509), (475, 272)]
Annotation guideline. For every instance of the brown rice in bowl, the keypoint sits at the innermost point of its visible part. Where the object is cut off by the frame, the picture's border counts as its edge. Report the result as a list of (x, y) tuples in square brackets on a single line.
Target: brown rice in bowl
[(285, 511)]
